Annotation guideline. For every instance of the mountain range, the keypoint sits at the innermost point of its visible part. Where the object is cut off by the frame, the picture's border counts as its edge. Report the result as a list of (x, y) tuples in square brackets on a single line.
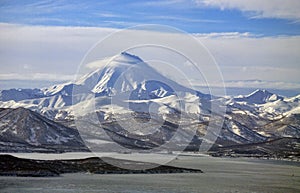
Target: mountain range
[(140, 108)]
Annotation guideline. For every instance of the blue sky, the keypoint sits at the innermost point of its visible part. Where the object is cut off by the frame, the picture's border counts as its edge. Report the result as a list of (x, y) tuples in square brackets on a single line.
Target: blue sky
[(193, 16), (256, 43)]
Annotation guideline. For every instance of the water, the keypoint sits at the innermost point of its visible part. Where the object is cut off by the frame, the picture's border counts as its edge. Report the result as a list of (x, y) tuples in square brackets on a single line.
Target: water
[(220, 175)]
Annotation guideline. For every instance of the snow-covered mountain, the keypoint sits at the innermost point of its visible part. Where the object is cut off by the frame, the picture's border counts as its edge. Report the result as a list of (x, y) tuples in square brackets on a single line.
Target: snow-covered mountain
[(124, 74), (259, 97), (128, 73), (265, 113), (127, 86)]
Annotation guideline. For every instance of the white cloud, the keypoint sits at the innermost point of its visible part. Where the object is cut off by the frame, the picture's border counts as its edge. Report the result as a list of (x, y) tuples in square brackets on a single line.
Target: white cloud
[(286, 9), (264, 58), (254, 84), (183, 19), (54, 53), (263, 84), (37, 76), (225, 35), (162, 2), (46, 49), (110, 15)]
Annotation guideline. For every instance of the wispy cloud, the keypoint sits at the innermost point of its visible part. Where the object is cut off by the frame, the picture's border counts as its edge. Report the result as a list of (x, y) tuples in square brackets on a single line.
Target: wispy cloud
[(223, 35), (40, 7), (193, 16), (184, 19), (122, 24), (161, 3), (285, 9), (37, 76), (110, 15)]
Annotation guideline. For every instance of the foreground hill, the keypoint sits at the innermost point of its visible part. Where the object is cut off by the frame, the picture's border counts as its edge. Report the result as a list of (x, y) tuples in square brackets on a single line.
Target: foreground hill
[(12, 166), (22, 130)]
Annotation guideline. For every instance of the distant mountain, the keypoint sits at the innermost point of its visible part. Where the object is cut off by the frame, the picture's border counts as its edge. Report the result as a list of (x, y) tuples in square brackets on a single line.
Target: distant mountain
[(20, 94), (259, 97), (24, 130)]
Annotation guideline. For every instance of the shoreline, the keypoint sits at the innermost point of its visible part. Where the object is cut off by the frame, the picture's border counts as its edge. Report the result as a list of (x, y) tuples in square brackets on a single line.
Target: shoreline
[(85, 155)]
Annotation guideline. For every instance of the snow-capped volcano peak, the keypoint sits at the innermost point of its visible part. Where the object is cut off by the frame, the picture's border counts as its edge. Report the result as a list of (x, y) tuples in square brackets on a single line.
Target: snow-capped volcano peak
[(126, 73), (125, 57), (122, 73), (123, 60), (259, 97)]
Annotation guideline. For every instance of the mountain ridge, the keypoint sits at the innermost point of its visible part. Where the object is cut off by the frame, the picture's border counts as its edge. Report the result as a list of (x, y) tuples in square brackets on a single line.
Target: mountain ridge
[(116, 92), (259, 96)]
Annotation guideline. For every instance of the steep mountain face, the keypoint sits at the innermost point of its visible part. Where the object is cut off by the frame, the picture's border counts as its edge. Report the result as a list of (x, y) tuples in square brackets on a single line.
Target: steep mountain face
[(128, 73), (24, 130)]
